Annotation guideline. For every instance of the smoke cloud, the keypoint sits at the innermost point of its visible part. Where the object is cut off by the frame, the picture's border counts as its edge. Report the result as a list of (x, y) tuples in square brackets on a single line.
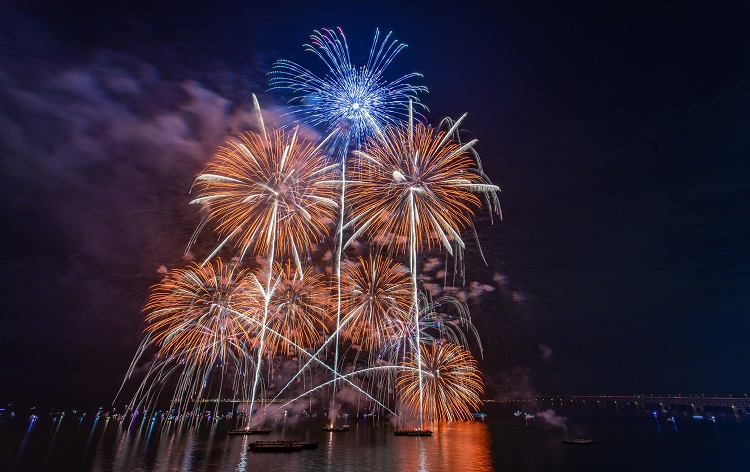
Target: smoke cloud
[(552, 419), (545, 352)]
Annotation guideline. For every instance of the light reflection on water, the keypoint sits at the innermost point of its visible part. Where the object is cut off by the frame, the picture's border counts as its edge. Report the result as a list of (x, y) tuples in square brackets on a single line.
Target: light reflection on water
[(469, 444), (503, 442), (32, 422), (154, 445)]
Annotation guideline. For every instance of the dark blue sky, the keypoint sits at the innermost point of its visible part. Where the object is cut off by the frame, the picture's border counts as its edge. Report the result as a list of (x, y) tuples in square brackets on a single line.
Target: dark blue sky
[(617, 132)]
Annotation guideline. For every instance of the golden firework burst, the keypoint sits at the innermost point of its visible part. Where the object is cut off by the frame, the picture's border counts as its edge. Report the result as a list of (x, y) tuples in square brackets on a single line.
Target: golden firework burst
[(263, 193), (202, 313), (376, 299), (298, 308), (202, 322), (451, 383), (415, 185)]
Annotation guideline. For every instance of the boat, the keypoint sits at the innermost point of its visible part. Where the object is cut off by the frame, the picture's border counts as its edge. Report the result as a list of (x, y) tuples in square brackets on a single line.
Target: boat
[(282, 446), (579, 441), (479, 415), (250, 431), (412, 432), (336, 429), (309, 444), (276, 447)]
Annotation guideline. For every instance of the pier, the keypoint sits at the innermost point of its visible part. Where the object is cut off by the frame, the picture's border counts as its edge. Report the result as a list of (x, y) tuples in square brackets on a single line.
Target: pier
[(738, 404)]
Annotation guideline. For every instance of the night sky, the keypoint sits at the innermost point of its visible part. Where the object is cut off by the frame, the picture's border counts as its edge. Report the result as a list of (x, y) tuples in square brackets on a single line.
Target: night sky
[(618, 133)]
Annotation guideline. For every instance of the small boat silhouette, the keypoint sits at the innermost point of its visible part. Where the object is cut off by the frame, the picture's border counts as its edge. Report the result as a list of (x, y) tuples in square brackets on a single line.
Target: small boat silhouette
[(250, 431), (412, 432), (336, 429), (579, 441)]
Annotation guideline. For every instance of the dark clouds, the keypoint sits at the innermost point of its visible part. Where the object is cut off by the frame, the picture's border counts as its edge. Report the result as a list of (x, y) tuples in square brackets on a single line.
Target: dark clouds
[(98, 155)]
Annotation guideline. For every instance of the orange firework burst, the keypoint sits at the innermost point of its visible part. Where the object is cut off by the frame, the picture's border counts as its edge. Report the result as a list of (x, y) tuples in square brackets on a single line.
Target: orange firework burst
[(263, 192), (297, 308), (452, 383), (416, 185), (376, 298), (202, 321), (202, 313)]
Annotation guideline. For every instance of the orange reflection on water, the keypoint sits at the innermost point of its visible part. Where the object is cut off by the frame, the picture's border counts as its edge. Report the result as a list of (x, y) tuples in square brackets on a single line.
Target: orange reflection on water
[(462, 446)]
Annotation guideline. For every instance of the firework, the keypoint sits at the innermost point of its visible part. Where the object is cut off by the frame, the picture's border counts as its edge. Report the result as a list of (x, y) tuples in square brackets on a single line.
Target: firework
[(377, 298), (263, 193), (407, 187), (445, 319), (201, 313), (416, 185), (199, 319), (298, 309), (356, 100), (451, 383)]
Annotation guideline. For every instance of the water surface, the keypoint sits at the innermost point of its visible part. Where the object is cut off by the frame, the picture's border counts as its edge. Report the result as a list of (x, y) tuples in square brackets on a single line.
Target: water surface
[(628, 440)]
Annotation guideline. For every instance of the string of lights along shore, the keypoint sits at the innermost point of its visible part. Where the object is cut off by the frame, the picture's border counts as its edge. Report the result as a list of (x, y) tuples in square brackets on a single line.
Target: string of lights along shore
[(311, 288)]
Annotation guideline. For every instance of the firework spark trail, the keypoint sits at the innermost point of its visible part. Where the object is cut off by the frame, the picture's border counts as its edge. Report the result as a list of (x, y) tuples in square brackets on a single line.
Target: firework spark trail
[(264, 325), (313, 357), (346, 377), (263, 189), (417, 189), (415, 305), (339, 250)]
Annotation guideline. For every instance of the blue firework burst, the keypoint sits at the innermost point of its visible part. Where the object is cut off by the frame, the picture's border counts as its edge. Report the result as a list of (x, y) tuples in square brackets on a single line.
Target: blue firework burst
[(355, 100)]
